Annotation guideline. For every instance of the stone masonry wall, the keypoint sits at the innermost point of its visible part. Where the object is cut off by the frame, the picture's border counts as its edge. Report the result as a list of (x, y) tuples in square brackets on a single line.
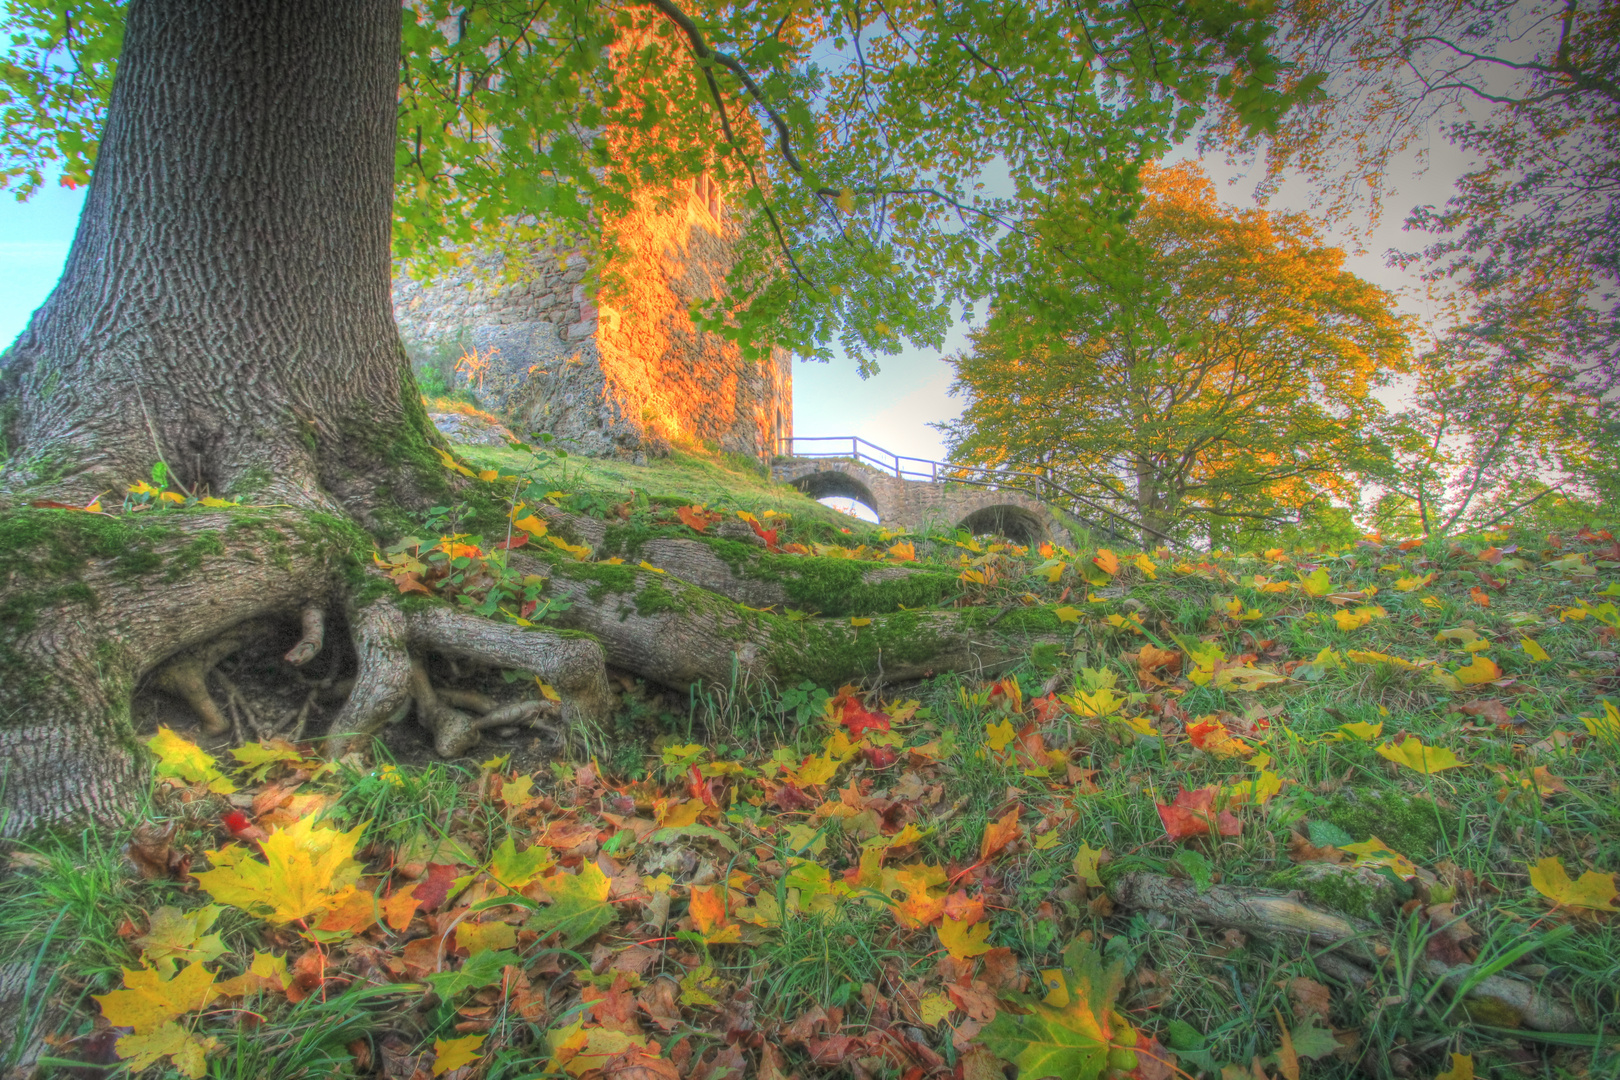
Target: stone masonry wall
[(633, 376)]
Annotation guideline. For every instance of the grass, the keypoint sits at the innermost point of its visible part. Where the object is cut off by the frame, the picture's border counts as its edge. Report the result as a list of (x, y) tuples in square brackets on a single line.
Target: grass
[(71, 909)]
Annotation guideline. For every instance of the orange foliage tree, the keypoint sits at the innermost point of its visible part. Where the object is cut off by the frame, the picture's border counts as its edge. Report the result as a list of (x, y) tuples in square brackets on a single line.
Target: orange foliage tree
[(1218, 369)]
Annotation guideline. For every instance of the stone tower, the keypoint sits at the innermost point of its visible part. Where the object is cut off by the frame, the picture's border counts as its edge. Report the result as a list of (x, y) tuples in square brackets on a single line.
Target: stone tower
[(627, 378)]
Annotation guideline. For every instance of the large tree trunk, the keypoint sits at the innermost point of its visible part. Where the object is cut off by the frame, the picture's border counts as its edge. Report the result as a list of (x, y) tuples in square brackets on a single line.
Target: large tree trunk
[(225, 305), (224, 309)]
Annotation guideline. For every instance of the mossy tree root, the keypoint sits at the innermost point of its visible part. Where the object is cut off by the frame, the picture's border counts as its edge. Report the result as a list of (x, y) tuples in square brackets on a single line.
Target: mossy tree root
[(1354, 947), (677, 635)]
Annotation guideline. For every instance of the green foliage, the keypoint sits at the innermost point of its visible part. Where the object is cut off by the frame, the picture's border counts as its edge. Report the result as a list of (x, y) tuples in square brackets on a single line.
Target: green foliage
[(861, 215)]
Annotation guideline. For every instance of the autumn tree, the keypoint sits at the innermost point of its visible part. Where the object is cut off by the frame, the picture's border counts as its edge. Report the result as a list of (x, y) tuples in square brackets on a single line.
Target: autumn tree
[(1530, 91), (1217, 375), (1481, 437), (223, 318)]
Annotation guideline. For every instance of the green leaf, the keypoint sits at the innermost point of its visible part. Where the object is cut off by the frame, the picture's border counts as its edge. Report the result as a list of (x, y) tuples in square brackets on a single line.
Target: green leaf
[(579, 906), (1072, 1040), (479, 971)]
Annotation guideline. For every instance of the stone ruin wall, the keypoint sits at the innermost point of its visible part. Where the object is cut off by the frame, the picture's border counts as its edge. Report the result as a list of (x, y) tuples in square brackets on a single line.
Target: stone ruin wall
[(628, 378)]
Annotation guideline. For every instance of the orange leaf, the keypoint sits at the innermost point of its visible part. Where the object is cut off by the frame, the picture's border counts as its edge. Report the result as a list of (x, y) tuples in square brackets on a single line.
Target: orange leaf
[(998, 834), (1479, 596), (1191, 815), (1107, 561)]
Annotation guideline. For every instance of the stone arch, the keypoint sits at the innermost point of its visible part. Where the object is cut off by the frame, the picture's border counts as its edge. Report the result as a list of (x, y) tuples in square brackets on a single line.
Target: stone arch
[(833, 482), (1016, 523)]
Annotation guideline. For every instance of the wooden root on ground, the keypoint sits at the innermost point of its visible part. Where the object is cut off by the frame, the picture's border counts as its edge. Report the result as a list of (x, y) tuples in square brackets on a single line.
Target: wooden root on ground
[(1351, 950)]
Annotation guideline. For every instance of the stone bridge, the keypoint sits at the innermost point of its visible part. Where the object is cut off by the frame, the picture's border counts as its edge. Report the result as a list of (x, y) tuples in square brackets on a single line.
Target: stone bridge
[(888, 490)]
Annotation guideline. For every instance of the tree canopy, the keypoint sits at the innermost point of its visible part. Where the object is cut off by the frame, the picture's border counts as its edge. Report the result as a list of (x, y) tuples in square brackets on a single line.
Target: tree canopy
[(1530, 91), (1222, 373), (857, 137)]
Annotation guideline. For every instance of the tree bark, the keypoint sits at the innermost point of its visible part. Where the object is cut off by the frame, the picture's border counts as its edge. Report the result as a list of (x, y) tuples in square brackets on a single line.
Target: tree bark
[(225, 305), (224, 309)]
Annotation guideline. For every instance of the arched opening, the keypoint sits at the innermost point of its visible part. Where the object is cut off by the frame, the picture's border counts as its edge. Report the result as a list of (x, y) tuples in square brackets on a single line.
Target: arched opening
[(1014, 522), (830, 484)]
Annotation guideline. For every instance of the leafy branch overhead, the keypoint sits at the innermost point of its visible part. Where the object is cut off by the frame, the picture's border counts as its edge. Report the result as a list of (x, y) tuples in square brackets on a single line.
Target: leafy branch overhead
[(866, 220)]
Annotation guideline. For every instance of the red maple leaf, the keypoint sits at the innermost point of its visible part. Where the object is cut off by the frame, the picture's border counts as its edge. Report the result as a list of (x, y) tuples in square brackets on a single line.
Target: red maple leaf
[(855, 716), (1047, 708), (1190, 815), (879, 757)]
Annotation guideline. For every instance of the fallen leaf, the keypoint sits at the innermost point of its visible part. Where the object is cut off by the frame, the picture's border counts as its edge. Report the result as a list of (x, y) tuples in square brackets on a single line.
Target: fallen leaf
[(1190, 815), (999, 834), (579, 906), (170, 1040), (307, 870), (182, 759), (1424, 759), (173, 935), (1592, 891), (148, 1000), (964, 939), (454, 1053), (1072, 1040)]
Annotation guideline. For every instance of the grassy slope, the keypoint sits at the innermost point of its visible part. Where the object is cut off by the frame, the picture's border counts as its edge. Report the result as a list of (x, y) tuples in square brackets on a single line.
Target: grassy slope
[(1472, 830)]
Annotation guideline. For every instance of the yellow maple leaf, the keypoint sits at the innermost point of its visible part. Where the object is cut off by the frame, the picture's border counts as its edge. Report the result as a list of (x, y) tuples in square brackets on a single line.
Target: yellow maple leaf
[(454, 1053), (267, 972), (964, 939), (1592, 891), (148, 1000), (1086, 863), (532, 525), (1482, 669), (1361, 656), (1360, 731), (1067, 613), (1374, 852), (998, 736), (1606, 726), (1462, 1068), (1533, 650), (1425, 759), (307, 870), (188, 1052), (184, 760), (1316, 583)]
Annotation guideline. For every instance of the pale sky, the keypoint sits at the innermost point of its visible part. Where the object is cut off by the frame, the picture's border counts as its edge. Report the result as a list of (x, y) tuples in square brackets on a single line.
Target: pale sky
[(893, 408)]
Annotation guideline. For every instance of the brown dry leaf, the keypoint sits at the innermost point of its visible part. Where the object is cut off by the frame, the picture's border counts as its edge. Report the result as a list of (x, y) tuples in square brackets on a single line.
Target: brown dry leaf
[(660, 1000), (772, 1063), (977, 1000), (806, 1026), (614, 1007), (151, 851), (1309, 997), (1302, 850), (979, 1064), (1490, 709)]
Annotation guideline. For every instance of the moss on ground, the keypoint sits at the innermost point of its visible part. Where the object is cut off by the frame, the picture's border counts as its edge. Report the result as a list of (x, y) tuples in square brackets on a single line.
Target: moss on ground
[(1404, 821)]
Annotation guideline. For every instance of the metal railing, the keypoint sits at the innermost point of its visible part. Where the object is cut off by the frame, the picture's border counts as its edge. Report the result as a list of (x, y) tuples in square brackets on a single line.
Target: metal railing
[(993, 477)]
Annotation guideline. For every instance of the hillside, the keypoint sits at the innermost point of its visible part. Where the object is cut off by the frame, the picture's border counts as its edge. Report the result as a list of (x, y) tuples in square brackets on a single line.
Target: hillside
[(1100, 855)]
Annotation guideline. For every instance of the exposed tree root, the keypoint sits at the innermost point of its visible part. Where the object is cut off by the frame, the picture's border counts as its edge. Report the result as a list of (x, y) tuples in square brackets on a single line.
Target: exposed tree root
[(1353, 946), (309, 646), (676, 634), (186, 677), (392, 677)]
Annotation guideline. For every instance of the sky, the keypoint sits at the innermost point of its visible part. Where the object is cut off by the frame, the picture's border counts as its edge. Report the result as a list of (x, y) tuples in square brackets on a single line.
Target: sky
[(894, 408)]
